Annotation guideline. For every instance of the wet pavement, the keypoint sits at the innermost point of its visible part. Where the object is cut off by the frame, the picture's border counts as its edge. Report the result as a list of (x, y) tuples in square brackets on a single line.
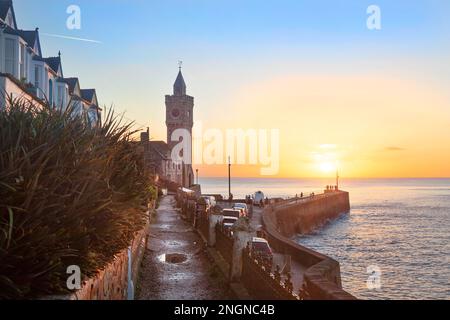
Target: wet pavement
[(175, 265)]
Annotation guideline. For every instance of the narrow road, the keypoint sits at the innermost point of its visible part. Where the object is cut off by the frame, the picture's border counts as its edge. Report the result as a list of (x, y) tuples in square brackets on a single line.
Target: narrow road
[(175, 265)]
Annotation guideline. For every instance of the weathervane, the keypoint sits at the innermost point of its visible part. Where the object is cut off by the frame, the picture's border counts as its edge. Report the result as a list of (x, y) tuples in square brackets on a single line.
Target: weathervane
[(180, 64)]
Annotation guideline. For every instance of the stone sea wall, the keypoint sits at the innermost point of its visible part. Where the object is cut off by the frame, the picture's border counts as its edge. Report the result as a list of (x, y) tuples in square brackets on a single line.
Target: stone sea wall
[(322, 279), (303, 216)]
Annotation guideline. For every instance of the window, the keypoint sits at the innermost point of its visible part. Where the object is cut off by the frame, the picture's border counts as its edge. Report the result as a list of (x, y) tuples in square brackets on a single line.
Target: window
[(10, 56), (60, 97), (22, 67), (37, 76), (50, 92)]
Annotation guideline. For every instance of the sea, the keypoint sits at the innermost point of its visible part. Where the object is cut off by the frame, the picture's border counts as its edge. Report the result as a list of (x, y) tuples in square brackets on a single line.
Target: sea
[(394, 244)]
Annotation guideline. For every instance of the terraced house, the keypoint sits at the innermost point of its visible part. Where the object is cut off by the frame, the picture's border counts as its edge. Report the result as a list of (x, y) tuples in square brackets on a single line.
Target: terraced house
[(26, 73)]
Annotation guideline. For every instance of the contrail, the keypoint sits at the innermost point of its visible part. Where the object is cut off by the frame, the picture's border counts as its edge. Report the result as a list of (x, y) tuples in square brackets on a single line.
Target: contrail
[(70, 38)]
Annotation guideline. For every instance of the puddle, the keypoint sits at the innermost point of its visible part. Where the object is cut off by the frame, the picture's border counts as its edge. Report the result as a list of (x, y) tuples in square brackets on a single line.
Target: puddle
[(173, 258), (179, 277)]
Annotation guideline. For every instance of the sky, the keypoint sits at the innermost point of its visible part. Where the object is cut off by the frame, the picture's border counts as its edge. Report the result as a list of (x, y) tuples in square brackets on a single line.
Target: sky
[(370, 103)]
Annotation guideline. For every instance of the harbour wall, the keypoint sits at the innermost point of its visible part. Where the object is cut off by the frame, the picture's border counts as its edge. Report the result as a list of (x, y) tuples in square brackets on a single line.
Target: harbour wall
[(301, 216), (322, 278)]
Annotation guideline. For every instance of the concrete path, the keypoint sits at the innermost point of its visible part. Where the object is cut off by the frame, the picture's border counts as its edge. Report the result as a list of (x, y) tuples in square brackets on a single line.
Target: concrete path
[(175, 266)]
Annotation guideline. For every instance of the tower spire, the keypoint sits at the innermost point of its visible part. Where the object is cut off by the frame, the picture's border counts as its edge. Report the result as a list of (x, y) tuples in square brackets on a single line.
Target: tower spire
[(179, 87)]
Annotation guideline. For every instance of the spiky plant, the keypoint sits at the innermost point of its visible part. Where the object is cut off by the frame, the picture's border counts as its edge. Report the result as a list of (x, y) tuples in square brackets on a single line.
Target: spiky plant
[(70, 194)]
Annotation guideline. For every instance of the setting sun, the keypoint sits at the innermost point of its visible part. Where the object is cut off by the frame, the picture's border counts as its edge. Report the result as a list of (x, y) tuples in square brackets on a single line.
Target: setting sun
[(327, 167)]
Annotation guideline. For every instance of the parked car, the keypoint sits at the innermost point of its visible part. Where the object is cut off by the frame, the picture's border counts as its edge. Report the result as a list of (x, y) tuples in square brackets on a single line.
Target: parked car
[(228, 222), (261, 248), (212, 201), (258, 198), (242, 206), (232, 213)]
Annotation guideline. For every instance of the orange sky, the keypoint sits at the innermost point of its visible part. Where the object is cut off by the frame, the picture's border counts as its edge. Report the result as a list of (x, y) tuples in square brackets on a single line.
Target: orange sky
[(367, 126)]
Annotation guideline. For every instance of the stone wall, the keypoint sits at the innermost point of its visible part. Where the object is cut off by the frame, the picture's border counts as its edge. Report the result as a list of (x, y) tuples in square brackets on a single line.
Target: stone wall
[(117, 281), (322, 279), (305, 215)]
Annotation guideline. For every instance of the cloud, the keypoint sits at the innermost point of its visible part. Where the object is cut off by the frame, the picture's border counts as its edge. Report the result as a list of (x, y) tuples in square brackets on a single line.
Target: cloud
[(394, 149)]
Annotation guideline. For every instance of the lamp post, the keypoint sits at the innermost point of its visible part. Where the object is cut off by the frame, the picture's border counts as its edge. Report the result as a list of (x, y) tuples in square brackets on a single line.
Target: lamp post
[(337, 180), (196, 171), (229, 178)]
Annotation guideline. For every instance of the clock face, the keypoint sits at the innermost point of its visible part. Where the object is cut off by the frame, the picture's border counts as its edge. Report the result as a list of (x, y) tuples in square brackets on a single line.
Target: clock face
[(176, 113)]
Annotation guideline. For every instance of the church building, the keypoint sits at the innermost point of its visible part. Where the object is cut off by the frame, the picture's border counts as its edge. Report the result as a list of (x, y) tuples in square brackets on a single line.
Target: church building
[(158, 154)]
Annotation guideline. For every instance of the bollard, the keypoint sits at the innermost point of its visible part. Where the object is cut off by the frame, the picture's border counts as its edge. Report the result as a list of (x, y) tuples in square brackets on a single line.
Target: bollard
[(242, 234), (214, 219)]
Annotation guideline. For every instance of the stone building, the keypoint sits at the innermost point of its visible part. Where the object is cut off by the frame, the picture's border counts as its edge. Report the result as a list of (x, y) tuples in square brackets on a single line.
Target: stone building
[(159, 154)]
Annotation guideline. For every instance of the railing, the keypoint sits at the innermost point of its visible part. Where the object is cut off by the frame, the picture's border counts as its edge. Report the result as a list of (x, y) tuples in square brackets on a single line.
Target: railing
[(261, 283), (224, 243), (203, 226)]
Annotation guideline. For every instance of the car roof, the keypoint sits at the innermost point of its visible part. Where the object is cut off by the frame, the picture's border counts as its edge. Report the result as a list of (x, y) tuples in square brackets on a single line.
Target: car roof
[(260, 240), (229, 217), (229, 210), (240, 204)]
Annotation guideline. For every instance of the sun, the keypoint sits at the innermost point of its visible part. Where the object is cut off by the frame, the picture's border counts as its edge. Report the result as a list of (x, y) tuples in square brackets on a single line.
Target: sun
[(327, 167)]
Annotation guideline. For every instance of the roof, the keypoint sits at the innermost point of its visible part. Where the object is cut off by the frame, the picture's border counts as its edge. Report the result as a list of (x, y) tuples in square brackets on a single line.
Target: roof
[(53, 62), (72, 82), (260, 240), (29, 36), (185, 190), (88, 94), (161, 148), (179, 87), (4, 8)]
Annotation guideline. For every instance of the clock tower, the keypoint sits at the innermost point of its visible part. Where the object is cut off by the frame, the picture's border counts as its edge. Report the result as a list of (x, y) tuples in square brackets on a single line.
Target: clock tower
[(180, 115)]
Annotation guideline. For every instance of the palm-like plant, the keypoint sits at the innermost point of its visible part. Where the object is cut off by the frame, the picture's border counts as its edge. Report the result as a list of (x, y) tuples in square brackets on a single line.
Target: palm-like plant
[(70, 194)]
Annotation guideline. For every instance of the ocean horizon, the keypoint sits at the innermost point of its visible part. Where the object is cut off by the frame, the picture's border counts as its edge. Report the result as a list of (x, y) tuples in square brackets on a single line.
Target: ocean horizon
[(399, 225)]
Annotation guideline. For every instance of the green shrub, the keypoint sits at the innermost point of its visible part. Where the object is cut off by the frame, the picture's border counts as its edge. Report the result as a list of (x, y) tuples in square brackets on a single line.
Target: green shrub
[(70, 194)]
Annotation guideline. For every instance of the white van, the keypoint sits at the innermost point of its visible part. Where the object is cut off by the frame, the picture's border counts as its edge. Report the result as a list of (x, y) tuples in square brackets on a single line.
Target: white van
[(258, 197)]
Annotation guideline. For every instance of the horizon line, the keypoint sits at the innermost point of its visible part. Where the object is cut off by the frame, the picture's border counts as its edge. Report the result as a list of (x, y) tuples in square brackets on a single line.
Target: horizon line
[(340, 178)]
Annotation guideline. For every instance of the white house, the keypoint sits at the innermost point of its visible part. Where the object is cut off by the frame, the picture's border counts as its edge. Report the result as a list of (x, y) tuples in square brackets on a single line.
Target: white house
[(25, 73)]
